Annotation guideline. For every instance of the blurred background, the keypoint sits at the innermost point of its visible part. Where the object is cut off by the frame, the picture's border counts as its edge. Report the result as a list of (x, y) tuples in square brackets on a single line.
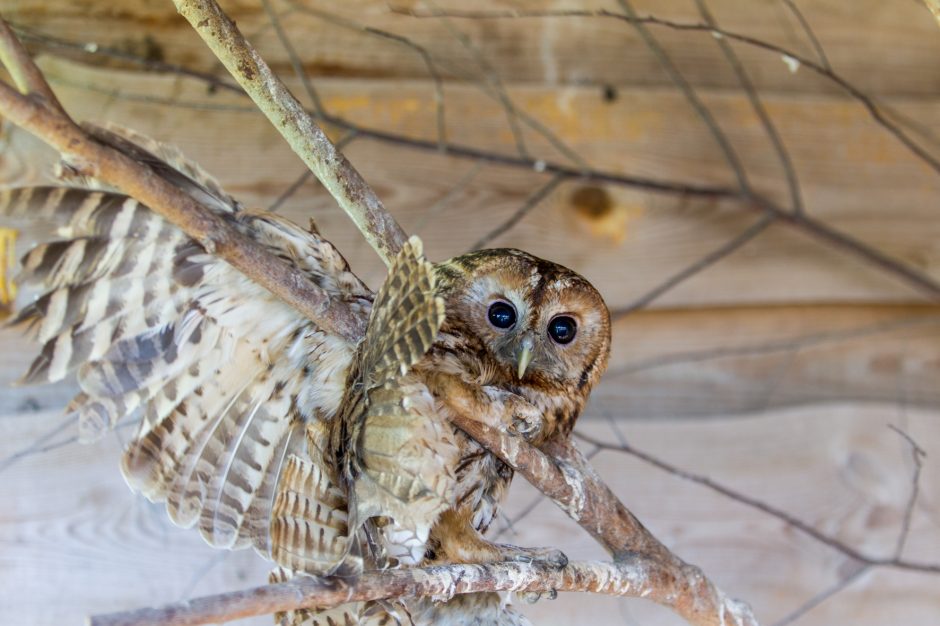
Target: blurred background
[(753, 185)]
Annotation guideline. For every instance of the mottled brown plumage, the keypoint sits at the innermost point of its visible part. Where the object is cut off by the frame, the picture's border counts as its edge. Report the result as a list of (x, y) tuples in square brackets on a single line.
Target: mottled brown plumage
[(264, 430)]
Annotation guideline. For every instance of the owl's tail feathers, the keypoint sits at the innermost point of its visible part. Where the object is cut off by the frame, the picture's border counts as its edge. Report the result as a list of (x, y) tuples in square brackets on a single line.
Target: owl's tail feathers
[(380, 613), (309, 523)]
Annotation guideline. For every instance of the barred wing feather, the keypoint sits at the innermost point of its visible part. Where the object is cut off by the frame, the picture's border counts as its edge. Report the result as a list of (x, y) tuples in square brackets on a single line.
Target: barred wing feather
[(222, 375)]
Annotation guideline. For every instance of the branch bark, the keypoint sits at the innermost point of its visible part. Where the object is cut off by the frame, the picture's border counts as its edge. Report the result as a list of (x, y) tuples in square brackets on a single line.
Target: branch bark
[(634, 579), (297, 127), (642, 567)]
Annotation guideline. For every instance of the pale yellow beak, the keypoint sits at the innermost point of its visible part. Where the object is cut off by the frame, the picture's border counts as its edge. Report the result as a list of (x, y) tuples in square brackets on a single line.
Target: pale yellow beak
[(525, 357)]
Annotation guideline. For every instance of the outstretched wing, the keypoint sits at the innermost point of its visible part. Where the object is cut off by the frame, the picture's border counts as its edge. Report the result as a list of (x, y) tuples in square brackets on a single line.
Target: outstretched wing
[(222, 376), (393, 455)]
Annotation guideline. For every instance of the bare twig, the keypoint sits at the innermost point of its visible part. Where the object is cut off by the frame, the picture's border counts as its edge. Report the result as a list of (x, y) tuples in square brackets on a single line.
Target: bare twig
[(295, 125), (530, 203), (832, 542), (783, 345), (689, 92), (810, 33), (703, 263), (432, 211), (637, 579), (295, 62), (823, 595), (917, 455), (796, 198)]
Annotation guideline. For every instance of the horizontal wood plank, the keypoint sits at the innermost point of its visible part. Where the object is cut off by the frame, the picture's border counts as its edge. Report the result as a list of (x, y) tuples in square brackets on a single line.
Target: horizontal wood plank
[(854, 176), (78, 542), (885, 48)]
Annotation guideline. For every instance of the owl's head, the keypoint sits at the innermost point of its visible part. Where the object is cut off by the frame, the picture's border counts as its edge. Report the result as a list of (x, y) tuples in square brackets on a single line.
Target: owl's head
[(539, 323)]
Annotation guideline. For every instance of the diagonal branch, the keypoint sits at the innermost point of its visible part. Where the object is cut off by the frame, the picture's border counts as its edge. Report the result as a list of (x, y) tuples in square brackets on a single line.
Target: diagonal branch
[(136, 179), (296, 125)]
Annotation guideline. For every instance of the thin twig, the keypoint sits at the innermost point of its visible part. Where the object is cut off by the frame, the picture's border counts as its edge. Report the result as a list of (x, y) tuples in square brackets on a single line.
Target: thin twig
[(805, 528), (703, 263), (823, 595), (492, 78), (917, 455), (530, 203), (689, 92), (783, 345), (295, 61), (452, 193), (810, 34), (793, 184)]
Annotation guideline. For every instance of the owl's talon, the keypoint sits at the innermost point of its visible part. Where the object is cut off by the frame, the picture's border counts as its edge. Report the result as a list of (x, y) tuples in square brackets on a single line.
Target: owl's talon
[(552, 557), (529, 597), (526, 420)]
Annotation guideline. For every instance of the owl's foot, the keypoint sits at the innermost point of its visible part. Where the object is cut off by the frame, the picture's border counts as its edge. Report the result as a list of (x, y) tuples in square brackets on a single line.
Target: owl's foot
[(531, 597), (552, 557)]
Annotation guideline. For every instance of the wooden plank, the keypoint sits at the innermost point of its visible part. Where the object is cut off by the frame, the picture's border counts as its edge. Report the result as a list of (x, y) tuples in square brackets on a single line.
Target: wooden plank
[(886, 48), (77, 541), (708, 364), (854, 176), (720, 362)]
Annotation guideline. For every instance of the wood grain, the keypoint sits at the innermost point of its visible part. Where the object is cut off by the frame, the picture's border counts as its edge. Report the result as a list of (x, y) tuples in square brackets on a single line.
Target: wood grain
[(898, 37), (854, 176), (77, 541)]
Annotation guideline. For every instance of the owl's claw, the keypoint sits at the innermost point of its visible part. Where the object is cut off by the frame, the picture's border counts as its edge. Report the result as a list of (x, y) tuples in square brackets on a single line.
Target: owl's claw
[(552, 557), (526, 420), (531, 597)]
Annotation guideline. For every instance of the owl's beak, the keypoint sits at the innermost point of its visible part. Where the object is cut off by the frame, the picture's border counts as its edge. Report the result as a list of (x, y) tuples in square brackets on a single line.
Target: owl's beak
[(525, 356)]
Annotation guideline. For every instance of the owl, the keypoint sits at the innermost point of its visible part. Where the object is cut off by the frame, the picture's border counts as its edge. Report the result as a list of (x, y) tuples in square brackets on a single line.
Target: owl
[(326, 456)]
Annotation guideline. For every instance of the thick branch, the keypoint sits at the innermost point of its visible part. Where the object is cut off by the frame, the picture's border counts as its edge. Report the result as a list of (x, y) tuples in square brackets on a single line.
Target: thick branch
[(296, 125), (639, 579), (139, 181)]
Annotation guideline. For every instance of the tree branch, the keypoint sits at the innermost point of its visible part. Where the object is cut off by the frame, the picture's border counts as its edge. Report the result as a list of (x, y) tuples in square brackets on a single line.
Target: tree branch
[(638, 579), (296, 125), (52, 125)]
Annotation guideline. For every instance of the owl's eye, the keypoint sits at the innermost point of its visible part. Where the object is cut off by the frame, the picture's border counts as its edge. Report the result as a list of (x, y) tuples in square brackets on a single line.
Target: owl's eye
[(502, 315), (562, 329)]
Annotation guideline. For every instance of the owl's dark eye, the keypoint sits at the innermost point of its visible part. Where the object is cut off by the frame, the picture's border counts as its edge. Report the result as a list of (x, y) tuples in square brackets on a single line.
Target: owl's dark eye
[(562, 329), (502, 315)]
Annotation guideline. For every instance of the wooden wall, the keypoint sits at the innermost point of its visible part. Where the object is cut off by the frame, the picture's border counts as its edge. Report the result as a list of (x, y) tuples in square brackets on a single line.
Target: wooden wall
[(776, 369)]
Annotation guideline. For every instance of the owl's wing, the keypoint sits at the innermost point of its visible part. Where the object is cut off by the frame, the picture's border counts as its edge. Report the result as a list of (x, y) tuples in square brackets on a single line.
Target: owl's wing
[(221, 374), (400, 463), (379, 437)]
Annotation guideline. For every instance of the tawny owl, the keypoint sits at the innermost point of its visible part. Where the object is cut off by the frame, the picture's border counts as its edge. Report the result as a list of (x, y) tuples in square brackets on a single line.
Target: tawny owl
[(264, 430)]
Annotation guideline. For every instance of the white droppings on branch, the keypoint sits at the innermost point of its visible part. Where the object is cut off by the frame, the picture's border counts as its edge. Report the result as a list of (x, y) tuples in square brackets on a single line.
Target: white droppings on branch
[(575, 480), (792, 64)]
